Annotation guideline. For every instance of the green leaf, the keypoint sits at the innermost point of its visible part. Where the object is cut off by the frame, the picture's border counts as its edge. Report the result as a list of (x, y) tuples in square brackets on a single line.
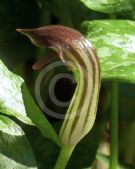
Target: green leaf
[(15, 151), (115, 45), (38, 117), (11, 102), (110, 6), (46, 151)]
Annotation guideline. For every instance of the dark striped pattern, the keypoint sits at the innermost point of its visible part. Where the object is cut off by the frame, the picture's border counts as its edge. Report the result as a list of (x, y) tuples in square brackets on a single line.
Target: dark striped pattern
[(81, 113), (73, 47)]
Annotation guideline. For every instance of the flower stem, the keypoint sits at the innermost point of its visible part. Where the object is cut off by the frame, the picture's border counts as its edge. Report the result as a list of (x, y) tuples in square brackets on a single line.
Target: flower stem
[(114, 126), (64, 156)]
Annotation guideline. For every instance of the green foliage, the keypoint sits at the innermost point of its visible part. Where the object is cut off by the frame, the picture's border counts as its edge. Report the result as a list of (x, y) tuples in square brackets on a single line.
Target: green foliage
[(11, 102), (38, 117), (28, 137), (110, 6), (115, 45), (15, 150)]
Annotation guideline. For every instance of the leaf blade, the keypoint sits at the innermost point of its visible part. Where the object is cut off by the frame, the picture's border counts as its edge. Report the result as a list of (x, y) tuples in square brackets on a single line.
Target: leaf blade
[(15, 151), (11, 102), (38, 117), (115, 45), (110, 6)]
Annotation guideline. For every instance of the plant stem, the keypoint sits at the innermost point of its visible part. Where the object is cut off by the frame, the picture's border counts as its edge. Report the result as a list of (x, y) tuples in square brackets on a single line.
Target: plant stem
[(64, 156), (114, 126)]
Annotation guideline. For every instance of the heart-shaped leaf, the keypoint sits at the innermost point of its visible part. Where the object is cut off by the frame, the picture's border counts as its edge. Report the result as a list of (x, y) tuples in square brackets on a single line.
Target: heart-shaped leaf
[(15, 151), (110, 6), (38, 117), (115, 45), (11, 101)]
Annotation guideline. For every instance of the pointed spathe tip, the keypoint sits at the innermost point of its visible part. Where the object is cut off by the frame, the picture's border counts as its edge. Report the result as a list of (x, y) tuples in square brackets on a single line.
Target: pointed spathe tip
[(30, 33), (33, 35), (19, 30), (24, 31)]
